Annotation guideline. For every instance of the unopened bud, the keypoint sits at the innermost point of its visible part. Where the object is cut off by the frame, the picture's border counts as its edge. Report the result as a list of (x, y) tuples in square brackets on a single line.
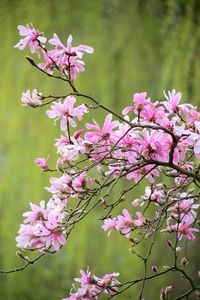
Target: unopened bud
[(132, 240), (122, 199), (169, 220), (102, 200), (27, 258), (162, 295), (97, 181), (136, 202), (148, 235), (184, 261), (169, 244), (19, 254), (178, 249), (166, 267), (154, 269), (168, 290), (30, 60)]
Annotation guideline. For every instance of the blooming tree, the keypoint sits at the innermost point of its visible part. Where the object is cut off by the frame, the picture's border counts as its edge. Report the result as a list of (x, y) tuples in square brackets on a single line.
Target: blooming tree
[(148, 141)]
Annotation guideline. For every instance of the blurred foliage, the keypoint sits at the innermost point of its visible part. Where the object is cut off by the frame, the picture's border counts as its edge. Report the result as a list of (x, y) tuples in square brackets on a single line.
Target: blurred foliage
[(139, 45)]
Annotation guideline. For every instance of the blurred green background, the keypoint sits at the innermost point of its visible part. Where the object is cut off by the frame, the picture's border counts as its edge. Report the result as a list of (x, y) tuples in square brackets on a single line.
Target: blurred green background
[(139, 45)]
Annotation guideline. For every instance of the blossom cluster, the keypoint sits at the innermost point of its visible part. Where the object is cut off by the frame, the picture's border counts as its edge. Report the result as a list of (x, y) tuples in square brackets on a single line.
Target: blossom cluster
[(124, 223), (43, 226), (64, 57), (184, 214), (181, 214), (92, 286), (149, 139)]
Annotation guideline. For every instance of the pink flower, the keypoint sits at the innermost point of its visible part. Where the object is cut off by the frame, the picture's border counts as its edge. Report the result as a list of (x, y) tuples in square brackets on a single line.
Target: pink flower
[(140, 221), (68, 57), (66, 112), (105, 134), (85, 279), (92, 286), (73, 297), (79, 183), (72, 65), (49, 64), (109, 282), (60, 185), (33, 100), (125, 223), (152, 113), (154, 194), (56, 239), (25, 236), (155, 145), (43, 227), (31, 38), (60, 49), (109, 224), (147, 172), (70, 150), (64, 140), (196, 139), (172, 105), (36, 213), (42, 163), (139, 101), (183, 229)]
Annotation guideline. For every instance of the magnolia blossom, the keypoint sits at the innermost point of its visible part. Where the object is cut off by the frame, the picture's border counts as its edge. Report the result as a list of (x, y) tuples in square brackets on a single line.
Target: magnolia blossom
[(68, 49), (183, 229), (109, 283), (196, 138), (31, 99), (32, 37), (67, 112), (92, 286), (68, 57), (173, 100), (139, 101), (60, 185), (42, 163), (48, 65), (124, 223), (42, 227), (105, 134), (157, 138), (37, 212)]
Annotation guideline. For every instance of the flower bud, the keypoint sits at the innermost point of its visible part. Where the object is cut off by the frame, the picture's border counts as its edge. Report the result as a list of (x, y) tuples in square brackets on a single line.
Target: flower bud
[(168, 290), (162, 295), (154, 269), (19, 254), (184, 261), (169, 220), (148, 235), (178, 249), (42, 163), (30, 60), (166, 267), (169, 244), (136, 202)]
